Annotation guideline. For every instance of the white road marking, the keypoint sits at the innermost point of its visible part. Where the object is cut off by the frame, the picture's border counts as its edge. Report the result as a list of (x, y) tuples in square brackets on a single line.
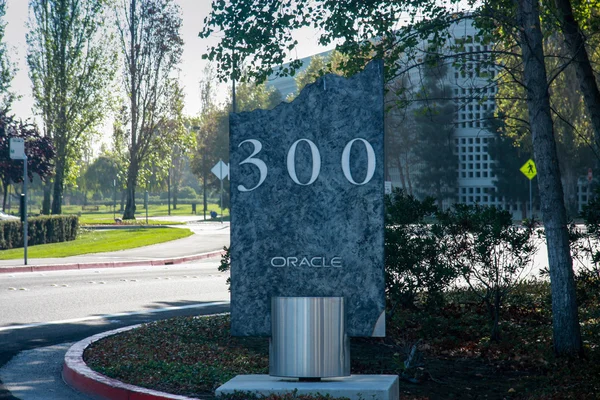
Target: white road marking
[(112, 316)]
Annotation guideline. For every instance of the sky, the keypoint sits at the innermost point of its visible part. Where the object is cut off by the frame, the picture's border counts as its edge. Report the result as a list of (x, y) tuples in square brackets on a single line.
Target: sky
[(193, 12)]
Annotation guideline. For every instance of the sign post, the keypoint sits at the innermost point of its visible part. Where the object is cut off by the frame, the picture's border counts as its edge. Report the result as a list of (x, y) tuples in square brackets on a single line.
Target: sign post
[(528, 169), (221, 170), (17, 152)]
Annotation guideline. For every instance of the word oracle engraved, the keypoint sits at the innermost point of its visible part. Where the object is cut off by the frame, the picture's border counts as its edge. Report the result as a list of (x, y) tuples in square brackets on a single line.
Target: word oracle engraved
[(311, 262)]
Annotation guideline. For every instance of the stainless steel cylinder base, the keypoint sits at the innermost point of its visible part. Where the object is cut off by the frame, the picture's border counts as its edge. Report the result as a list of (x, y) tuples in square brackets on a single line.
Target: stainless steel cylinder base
[(308, 338)]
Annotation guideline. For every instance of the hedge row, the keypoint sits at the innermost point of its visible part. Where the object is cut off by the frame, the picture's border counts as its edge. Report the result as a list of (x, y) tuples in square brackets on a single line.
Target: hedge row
[(40, 230)]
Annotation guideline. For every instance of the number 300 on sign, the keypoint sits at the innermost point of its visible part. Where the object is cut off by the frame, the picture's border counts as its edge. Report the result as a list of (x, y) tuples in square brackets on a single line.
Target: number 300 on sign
[(316, 162)]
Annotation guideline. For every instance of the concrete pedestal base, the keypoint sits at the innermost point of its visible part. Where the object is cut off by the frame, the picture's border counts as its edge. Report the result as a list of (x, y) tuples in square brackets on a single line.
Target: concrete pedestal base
[(355, 387)]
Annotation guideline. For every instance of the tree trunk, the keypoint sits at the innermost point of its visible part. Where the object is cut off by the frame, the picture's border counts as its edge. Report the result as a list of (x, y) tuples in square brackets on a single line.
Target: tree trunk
[(401, 172), (495, 315), (5, 196), (132, 173), (175, 195), (583, 69), (565, 319), (46, 202), (122, 202), (57, 190)]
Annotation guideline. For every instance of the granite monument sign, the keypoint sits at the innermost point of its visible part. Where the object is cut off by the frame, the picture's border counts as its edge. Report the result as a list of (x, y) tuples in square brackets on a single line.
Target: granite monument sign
[(307, 203)]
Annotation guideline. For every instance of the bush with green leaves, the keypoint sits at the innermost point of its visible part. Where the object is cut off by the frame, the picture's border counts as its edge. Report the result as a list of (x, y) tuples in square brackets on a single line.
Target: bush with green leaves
[(591, 219), (187, 192), (585, 249), (491, 254), (417, 268), (41, 230)]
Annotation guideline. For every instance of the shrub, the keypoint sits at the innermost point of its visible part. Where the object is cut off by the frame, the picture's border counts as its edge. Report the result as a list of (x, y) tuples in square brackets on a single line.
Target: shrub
[(40, 230), (415, 265), (586, 245), (490, 253), (187, 192)]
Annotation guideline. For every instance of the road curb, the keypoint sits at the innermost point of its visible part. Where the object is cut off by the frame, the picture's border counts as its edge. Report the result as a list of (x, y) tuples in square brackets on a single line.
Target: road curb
[(111, 264), (82, 378)]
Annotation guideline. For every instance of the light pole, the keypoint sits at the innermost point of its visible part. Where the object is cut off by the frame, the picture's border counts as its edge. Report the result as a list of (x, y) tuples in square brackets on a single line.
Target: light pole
[(204, 179), (169, 190), (114, 198)]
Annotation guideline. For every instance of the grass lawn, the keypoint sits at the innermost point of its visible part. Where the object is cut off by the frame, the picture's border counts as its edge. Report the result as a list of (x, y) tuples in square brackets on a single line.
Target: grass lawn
[(99, 241), (153, 211), (455, 358), (87, 219)]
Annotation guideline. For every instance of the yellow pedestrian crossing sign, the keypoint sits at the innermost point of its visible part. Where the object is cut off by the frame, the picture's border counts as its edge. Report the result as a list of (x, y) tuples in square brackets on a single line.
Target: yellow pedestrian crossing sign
[(528, 169)]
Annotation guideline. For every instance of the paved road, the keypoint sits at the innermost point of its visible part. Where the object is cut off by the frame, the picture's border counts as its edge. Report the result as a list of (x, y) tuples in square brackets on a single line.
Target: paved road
[(42, 313), (31, 297)]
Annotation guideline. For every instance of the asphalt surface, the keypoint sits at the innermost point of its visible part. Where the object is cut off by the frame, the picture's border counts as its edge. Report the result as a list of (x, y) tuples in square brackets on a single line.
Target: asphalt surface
[(31, 359)]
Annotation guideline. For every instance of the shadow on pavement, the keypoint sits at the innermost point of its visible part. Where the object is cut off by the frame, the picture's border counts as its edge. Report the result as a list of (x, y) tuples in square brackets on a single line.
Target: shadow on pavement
[(31, 385)]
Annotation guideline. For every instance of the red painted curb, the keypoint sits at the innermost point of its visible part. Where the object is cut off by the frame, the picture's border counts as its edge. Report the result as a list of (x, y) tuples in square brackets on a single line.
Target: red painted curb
[(80, 377), (113, 264)]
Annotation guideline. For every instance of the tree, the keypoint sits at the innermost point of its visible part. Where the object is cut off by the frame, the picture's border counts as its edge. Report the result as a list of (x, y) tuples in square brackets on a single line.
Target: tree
[(508, 158), (152, 46), (101, 175), (435, 145), (576, 44), (356, 24), (71, 66), (565, 319), (489, 252), (7, 69), (39, 150), (318, 67), (573, 133), (213, 126)]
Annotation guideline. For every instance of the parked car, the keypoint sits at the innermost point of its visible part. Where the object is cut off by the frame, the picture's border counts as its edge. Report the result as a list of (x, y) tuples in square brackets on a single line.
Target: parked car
[(7, 217)]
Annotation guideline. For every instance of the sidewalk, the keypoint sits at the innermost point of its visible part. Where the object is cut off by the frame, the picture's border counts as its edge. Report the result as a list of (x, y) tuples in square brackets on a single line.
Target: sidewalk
[(208, 241)]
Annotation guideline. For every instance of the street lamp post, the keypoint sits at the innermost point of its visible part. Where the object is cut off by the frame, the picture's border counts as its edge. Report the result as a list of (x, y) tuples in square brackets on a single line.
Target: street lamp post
[(169, 190), (204, 179), (114, 198)]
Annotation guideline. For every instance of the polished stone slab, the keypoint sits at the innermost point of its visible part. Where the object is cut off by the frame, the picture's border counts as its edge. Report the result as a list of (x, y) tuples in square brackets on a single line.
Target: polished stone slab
[(355, 387), (307, 213)]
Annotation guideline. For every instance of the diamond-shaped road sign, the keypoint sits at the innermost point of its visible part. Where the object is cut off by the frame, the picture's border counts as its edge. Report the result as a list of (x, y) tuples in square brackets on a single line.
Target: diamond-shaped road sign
[(221, 170), (528, 169)]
